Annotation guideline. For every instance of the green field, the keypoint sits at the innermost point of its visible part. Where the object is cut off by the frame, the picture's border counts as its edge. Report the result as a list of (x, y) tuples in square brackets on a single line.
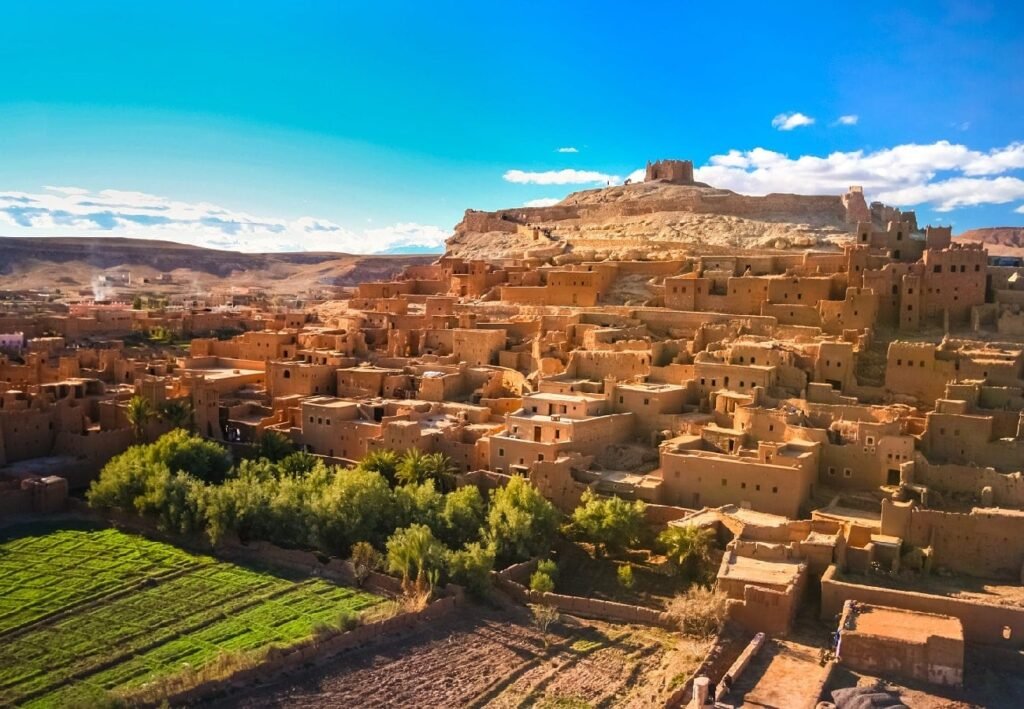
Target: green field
[(87, 611)]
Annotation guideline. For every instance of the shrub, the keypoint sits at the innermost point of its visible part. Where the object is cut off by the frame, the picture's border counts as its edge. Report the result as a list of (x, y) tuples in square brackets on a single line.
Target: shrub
[(541, 582), (365, 560), (700, 612), (471, 567), (625, 574), (609, 523)]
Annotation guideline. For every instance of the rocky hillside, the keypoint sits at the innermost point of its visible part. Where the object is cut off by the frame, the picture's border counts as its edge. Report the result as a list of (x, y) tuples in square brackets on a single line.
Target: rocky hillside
[(1000, 240), (664, 219), (35, 262)]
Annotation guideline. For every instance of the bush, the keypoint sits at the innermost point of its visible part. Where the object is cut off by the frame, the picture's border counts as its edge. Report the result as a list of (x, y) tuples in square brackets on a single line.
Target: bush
[(609, 523), (542, 582), (700, 612), (471, 567), (625, 574), (365, 560)]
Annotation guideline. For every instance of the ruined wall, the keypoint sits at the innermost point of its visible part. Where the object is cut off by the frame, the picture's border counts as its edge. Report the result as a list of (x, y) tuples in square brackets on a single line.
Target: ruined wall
[(990, 624)]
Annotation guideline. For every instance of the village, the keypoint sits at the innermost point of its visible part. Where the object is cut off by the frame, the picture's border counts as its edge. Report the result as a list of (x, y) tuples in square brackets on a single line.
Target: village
[(843, 421)]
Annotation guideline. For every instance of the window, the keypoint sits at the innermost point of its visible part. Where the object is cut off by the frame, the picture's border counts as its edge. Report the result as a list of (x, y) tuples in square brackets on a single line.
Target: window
[(743, 486), (937, 269), (501, 452), (831, 471), (871, 440), (725, 482), (775, 489), (647, 402), (847, 473), (287, 374)]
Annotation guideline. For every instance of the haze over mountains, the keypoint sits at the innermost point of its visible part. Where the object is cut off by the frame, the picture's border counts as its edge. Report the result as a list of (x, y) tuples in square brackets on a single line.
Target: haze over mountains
[(73, 262)]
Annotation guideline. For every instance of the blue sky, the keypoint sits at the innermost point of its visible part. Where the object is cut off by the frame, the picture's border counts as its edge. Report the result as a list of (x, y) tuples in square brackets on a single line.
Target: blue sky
[(372, 126)]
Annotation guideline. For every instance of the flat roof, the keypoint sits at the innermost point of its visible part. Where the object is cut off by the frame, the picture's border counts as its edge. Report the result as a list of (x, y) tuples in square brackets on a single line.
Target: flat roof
[(758, 571), (885, 622)]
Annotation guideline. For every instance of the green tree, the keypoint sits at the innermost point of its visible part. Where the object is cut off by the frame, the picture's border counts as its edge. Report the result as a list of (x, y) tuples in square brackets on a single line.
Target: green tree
[(180, 450), (139, 412), (609, 523), (417, 555), (418, 503), (415, 466), (382, 461), (521, 523), (471, 567), (178, 413), (122, 481), (462, 517), (298, 464), (690, 548), (274, 446), (357, 506)]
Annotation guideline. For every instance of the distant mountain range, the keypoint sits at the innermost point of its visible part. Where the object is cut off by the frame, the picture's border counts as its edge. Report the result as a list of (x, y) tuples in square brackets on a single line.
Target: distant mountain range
[(76, 262), (1000, 240)]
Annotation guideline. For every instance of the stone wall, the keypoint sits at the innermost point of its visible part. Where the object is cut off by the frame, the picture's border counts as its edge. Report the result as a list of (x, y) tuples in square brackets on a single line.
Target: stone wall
[(984, 623), (512, 579)]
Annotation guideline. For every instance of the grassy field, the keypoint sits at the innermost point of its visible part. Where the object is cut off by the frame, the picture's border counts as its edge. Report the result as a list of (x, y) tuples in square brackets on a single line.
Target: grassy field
[(86, 612)]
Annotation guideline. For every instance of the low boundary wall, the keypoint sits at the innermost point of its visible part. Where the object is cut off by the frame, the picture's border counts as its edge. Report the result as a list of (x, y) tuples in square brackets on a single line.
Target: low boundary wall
[(985, 623), (510, 580)]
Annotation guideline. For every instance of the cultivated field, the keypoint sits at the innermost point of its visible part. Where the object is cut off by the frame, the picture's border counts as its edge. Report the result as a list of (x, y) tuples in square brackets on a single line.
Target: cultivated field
[(86, 612), (495, 658)]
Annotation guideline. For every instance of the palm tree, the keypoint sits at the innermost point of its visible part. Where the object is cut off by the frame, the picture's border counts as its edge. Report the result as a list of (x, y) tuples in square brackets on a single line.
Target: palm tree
[(417, 467), (384, 462), (440, 469), (412, 468), (690, 548), (139, 411), (178, 413)]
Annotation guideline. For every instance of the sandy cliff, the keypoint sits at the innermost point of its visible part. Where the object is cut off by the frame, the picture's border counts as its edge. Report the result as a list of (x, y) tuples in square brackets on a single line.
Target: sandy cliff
[(660, 217)]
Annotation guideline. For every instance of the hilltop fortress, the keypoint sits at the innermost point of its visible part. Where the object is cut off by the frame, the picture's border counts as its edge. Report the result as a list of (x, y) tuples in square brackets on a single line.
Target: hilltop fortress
[(666, 216)]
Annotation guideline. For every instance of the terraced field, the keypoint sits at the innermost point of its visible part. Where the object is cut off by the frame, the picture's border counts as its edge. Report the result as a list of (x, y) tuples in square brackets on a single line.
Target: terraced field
[(85, 612)]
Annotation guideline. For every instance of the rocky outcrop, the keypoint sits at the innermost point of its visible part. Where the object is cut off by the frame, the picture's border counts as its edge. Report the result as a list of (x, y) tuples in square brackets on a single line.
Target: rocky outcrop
[(663, 219)]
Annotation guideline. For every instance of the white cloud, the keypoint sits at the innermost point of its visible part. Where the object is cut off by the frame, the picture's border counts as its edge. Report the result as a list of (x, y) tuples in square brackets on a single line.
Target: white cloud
[(542, 202), (789, 121), (569, 149), (559, 177), (1020, 209), (848, 120), (943, 174), (72, 211), (637, 175)]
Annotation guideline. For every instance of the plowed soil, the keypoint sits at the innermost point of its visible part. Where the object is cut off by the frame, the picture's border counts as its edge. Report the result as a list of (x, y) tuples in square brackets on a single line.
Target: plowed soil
[(489, 657)]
